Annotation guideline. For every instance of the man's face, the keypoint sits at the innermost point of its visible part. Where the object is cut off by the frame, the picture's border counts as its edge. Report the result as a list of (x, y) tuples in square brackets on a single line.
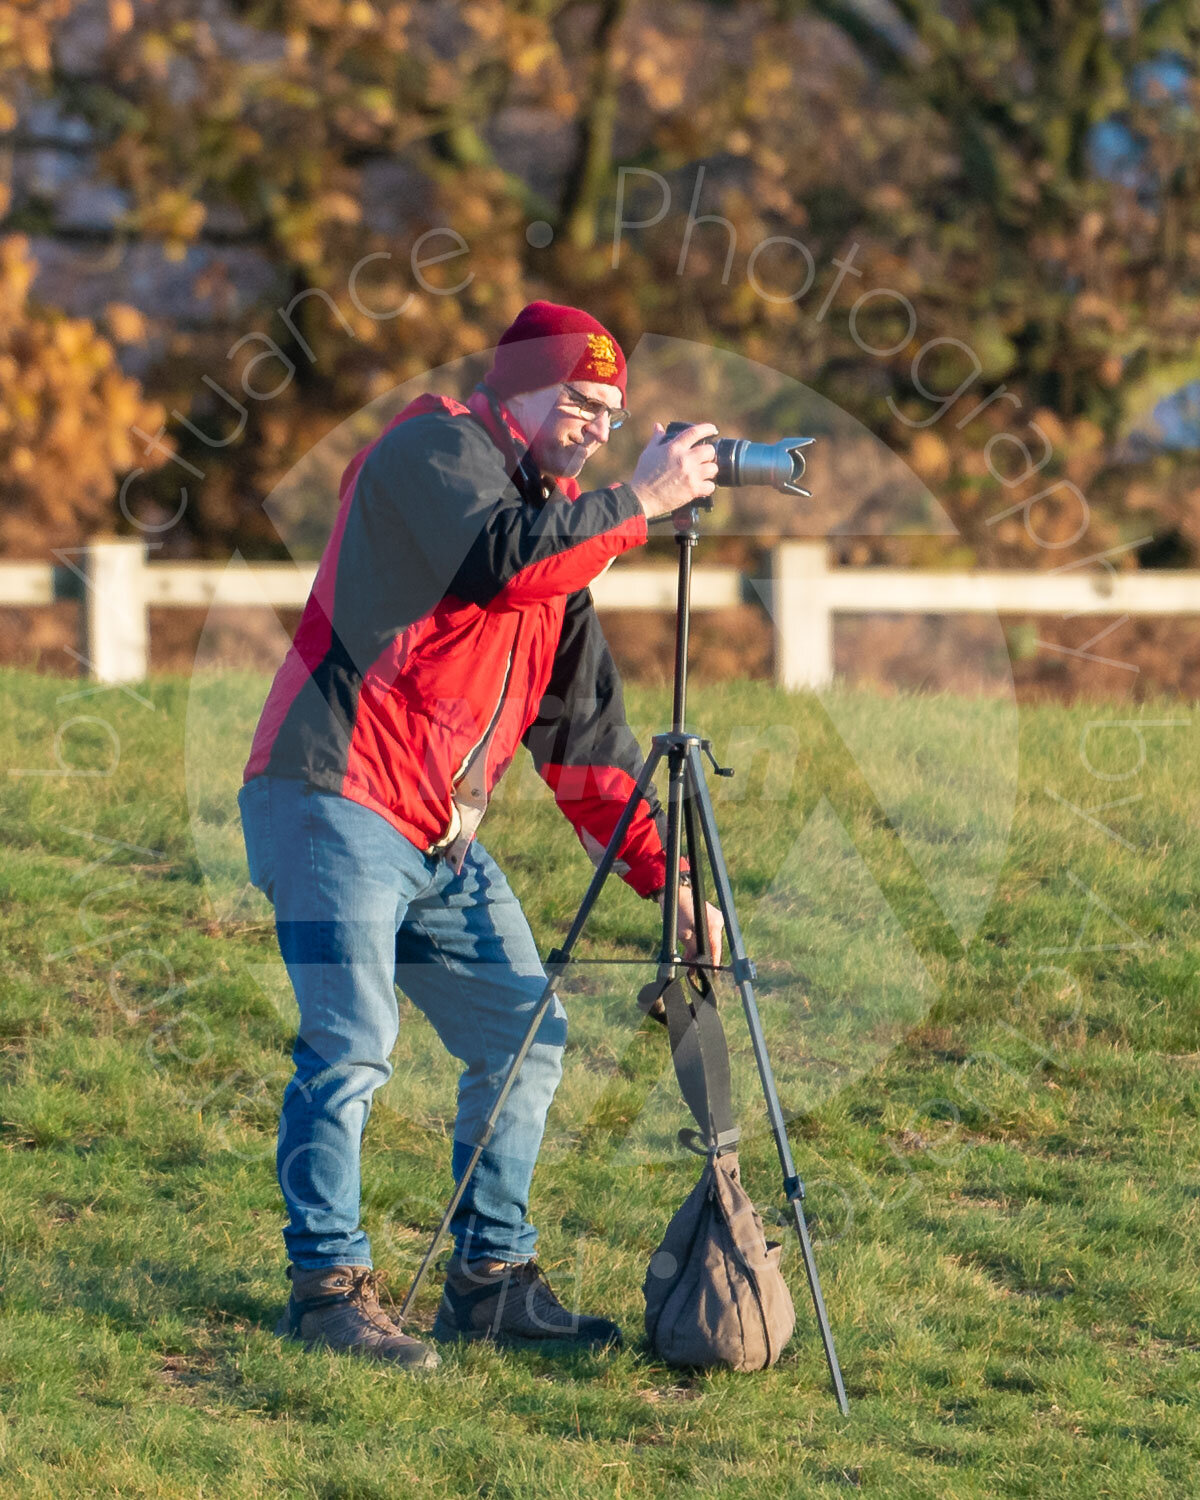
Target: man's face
[(563, 436)]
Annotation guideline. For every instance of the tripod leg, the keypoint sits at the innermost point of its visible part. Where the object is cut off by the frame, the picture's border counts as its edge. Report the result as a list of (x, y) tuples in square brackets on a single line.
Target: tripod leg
[(676, 790), (704, 954), (743, 972), (556, 963)]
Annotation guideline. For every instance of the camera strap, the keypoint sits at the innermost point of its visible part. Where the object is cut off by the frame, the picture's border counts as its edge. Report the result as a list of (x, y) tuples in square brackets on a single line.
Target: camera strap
[(524, 473)]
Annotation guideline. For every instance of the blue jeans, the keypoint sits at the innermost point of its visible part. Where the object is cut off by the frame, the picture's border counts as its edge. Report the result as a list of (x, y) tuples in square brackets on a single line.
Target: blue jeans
[(358, 909)]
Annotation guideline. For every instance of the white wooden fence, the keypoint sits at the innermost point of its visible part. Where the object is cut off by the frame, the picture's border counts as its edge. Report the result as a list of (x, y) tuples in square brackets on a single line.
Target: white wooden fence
[(116, 584)]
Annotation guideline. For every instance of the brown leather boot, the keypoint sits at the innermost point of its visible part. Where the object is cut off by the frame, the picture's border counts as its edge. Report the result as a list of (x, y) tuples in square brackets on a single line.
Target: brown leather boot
[(338, 1307), (513, 1304)]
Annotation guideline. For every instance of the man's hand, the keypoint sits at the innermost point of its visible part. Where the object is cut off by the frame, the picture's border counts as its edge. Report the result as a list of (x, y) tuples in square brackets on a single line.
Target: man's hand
[(673, 471), (686, 926)]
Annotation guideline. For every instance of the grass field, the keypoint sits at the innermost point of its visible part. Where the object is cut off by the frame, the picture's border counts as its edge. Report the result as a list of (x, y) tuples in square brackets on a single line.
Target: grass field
[(979, 985)]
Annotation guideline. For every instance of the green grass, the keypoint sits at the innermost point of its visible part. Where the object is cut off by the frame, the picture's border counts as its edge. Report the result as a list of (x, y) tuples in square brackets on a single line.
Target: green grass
[(982, 1013)]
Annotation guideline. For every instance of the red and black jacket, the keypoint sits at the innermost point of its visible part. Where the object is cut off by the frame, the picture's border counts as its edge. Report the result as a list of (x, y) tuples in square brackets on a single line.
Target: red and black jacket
[(449, 621)]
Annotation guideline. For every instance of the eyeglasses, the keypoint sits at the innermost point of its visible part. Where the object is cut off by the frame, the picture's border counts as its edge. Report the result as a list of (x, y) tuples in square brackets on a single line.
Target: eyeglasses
[(591, 409)]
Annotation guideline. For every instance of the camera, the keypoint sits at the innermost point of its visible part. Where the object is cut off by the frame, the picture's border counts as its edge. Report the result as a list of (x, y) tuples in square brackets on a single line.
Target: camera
[(779, 465)]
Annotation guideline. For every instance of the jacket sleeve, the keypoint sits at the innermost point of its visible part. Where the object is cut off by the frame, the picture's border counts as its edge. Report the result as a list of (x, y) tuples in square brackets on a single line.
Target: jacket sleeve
[(436, 493), (586, 753)]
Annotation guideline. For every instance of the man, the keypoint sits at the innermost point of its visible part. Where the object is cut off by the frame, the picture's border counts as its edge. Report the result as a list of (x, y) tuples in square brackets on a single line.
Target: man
[(449, 621)]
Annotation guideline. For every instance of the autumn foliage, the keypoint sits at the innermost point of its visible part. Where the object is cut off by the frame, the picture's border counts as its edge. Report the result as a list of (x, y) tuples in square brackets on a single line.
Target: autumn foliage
[(960, 163), (67, 415)]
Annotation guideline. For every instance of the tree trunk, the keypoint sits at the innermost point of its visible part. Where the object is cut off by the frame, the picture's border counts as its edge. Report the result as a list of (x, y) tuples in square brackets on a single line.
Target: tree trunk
[(593, 160)]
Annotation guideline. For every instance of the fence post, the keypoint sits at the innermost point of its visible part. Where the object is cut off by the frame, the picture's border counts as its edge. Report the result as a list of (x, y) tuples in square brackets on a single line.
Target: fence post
[(803, 624), (117, 647)]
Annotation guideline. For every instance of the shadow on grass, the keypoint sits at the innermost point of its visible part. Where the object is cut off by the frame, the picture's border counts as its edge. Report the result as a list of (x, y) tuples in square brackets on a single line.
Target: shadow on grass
[(133, 1297)]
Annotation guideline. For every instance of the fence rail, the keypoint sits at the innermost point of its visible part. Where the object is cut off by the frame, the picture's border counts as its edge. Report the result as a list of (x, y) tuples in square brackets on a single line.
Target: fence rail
[(116, 584)]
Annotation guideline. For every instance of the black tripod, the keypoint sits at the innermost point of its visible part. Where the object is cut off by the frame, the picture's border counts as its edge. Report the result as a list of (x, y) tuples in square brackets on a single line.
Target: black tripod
[(690, 820)]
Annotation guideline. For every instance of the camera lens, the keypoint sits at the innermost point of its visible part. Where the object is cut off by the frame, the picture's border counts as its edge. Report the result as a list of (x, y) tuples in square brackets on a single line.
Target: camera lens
[(779, 466)]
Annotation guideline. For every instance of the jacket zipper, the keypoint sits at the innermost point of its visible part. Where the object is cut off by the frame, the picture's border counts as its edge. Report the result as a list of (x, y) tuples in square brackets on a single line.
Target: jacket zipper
[(492, 721)]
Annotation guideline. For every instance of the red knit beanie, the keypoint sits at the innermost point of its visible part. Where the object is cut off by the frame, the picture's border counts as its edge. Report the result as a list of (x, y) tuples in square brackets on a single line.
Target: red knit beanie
[(547, 342)]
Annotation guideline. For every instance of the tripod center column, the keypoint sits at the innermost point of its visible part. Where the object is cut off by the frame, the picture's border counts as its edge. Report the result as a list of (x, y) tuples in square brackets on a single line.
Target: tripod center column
[(686, 535)]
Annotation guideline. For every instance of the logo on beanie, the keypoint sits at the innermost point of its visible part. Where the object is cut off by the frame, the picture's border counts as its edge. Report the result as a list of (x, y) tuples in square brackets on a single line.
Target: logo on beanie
[(603, 356)]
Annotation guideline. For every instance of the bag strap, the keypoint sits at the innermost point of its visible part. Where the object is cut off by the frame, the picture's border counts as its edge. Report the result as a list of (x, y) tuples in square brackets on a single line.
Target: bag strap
[(701, 1057)]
